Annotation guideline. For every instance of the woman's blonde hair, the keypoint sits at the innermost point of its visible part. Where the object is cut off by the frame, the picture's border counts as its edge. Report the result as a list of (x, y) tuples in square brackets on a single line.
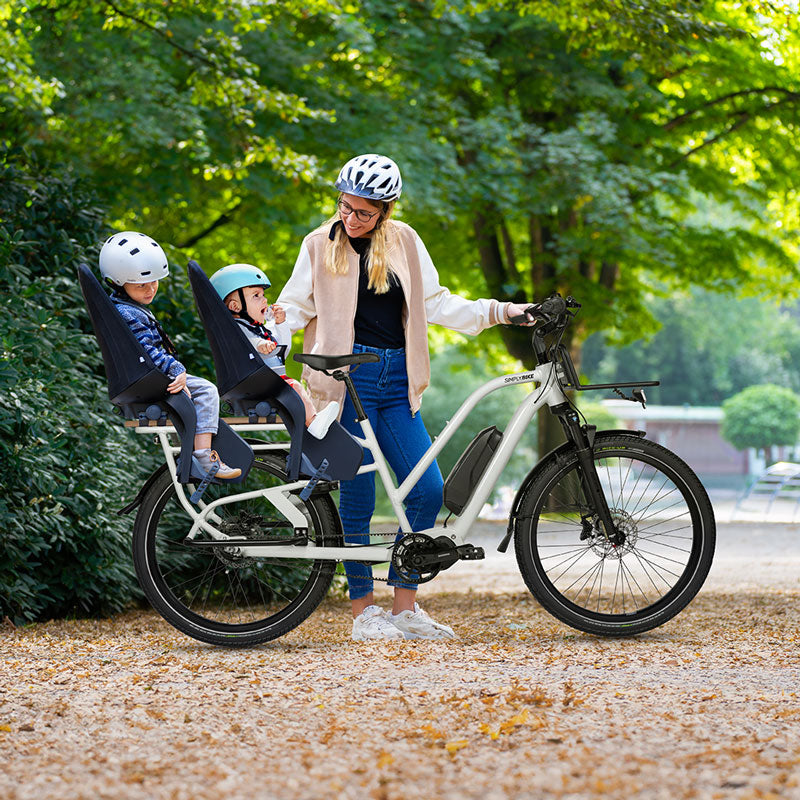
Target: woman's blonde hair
[(378, 267)]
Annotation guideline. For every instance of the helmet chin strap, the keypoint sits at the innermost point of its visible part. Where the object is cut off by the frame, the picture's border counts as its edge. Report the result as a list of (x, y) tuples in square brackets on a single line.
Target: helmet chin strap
[(243, 312)]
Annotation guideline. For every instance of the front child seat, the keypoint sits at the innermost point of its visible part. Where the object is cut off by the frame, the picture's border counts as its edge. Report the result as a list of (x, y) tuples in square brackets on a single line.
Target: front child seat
[(250, 386), (139, 389)]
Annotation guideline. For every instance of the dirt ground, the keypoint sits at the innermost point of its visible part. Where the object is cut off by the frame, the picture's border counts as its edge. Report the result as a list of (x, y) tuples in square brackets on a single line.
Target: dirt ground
[(518, 707)]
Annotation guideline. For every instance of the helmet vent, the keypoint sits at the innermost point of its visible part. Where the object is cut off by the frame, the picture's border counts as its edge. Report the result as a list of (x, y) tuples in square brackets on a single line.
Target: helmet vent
[(122, 242), (146, 272), (134, 251)]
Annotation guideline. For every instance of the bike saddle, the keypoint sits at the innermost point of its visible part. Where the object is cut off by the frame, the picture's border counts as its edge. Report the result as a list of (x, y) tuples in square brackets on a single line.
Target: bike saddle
[(335, 362)]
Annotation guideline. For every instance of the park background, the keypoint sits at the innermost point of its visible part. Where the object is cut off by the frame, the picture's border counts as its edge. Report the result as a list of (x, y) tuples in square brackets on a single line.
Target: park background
[(641, 157)]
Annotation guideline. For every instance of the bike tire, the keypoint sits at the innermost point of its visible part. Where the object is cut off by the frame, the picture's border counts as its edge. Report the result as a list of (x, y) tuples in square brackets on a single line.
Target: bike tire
[(662, 507), (211, 594)]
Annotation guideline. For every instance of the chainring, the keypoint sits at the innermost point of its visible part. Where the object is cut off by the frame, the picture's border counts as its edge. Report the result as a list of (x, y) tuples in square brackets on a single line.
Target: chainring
[(407, 554)]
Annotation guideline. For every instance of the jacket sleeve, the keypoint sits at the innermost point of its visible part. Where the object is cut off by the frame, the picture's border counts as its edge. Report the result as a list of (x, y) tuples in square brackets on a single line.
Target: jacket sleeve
[(451, 310), (147, 336), (297, 296)]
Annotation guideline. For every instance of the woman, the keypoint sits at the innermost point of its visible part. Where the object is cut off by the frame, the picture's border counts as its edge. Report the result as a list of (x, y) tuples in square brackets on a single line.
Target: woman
[(365, 283)]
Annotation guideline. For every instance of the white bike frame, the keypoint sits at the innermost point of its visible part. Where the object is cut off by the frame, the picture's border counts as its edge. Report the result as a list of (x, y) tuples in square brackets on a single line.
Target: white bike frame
[(203, 518)]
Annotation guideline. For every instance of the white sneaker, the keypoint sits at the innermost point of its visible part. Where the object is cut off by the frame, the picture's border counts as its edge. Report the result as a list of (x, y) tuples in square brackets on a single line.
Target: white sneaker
[(372, 623), (417, 624), (206, 458), (323, 420)]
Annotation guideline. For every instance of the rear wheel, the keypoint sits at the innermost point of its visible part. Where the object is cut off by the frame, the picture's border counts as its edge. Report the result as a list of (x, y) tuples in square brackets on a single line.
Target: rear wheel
[(660, 555), (216, 594)]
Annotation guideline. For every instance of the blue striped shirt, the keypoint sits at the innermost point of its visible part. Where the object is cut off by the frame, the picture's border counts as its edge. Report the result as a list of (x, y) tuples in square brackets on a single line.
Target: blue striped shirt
[(143, 325)]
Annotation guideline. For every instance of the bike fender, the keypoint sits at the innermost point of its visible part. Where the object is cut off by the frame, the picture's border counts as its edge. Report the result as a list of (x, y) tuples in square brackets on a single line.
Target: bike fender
[(554, 455), (142, 492)]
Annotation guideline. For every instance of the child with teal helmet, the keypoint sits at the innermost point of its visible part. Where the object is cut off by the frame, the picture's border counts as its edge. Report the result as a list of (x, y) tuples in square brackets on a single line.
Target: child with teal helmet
[(241, 287)]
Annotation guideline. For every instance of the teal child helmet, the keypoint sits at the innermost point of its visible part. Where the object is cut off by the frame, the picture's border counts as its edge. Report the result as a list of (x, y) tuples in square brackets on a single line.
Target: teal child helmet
[(237, 276)]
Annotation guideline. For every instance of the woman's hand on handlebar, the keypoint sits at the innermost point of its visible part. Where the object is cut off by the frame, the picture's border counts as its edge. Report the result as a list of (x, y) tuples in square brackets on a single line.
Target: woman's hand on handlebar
[(521, 314)]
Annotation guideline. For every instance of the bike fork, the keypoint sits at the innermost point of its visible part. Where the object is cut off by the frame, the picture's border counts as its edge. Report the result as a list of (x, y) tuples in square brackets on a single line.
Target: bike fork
[(583, 439)]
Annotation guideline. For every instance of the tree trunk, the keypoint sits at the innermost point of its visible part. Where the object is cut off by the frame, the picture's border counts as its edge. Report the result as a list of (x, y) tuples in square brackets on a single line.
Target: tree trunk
[(498, 276)]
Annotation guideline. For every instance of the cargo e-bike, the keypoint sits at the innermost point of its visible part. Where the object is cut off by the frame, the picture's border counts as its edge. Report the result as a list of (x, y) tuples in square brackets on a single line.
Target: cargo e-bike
[(614, 534)]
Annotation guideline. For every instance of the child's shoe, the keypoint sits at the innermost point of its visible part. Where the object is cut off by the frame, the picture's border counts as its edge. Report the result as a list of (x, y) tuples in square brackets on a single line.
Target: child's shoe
[(207, 458), (323, 420)]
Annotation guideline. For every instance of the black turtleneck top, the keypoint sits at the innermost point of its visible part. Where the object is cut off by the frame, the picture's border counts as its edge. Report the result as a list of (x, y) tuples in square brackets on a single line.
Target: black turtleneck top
[(379, 317)]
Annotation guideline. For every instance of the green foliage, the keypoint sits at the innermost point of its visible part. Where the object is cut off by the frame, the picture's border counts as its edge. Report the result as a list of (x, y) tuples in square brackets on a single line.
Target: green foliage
[(598, 415), (64, 464), (708, 347), (761, 416)]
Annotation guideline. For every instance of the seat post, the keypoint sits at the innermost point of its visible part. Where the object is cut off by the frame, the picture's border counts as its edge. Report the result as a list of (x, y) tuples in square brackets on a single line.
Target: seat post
[(340, 375)]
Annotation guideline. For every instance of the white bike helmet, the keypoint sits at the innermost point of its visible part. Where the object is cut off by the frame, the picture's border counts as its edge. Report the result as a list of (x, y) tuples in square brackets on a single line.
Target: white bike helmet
[(131, 257), (372, 176)]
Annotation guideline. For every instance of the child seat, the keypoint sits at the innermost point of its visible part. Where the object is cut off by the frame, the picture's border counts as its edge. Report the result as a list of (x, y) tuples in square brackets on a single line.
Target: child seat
[(139, 389), (250, 386)]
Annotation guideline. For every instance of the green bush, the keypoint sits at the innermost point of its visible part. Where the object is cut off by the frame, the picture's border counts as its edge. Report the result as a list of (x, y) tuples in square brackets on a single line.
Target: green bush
[(762, 417), (65, 464)]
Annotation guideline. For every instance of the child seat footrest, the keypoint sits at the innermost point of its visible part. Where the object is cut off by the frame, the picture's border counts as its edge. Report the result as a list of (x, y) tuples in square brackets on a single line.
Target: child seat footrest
[(317, 475), (207, 478)]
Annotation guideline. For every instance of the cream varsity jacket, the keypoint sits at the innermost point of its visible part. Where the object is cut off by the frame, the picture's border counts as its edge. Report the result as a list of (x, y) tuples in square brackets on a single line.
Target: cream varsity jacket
[(324, 305)]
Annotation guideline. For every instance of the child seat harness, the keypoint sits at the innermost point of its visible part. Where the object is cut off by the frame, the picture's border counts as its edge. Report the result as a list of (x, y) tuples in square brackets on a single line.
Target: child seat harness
[(122, 299)]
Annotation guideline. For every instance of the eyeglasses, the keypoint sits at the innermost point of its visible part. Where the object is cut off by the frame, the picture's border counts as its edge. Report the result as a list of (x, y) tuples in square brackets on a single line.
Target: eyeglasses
[(345, 209)]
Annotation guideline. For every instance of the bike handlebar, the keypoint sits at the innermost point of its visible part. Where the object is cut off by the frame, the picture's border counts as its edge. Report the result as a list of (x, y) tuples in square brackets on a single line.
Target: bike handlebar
[(552, 310)]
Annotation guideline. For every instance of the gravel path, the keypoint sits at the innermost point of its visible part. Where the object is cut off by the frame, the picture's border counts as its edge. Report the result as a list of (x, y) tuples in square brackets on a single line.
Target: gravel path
[(519, 707)]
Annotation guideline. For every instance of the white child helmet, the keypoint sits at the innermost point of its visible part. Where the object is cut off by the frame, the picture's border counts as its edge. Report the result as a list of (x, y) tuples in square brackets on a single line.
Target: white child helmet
[(130, 257), (372, 176)]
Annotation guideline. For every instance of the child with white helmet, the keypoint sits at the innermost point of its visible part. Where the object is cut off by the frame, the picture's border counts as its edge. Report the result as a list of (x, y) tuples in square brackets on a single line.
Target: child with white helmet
[(241, 287), (133, 264)]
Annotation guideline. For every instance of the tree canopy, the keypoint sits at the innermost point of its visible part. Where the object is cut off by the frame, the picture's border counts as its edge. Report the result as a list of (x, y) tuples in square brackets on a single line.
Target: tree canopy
[(619, 151)]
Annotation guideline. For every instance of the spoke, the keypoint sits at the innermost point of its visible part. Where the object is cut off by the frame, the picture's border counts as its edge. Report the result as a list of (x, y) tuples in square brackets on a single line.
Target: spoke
[(679, 501), (666, 546), (594, 569), (600, 592), (642, 551), (631, 576), (633, 511), (579, 548), (644, 565), (687, 523), (614, 596), (574, 560), (636, 509)]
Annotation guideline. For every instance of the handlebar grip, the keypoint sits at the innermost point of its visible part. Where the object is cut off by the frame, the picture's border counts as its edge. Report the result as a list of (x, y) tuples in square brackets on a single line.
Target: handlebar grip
[(524, 319)]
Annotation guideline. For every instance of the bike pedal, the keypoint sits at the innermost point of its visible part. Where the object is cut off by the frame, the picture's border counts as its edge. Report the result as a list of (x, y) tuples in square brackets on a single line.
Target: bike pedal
[(467, 552)]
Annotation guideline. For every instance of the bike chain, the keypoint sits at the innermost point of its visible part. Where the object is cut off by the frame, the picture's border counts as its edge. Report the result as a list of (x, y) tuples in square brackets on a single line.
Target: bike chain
[(389, 539)]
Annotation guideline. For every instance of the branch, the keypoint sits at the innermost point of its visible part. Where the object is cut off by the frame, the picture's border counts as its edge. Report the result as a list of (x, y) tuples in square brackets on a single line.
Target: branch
[(222, 219), (681, 118), (168, 39)]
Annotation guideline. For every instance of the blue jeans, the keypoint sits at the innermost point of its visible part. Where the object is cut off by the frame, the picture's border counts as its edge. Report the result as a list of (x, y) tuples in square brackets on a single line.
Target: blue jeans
[(206, 403), (383, 389)]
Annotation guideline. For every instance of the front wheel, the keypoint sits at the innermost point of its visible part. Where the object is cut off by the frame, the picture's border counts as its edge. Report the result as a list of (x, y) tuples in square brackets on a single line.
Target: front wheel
[(649, 570), (216, 594)]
